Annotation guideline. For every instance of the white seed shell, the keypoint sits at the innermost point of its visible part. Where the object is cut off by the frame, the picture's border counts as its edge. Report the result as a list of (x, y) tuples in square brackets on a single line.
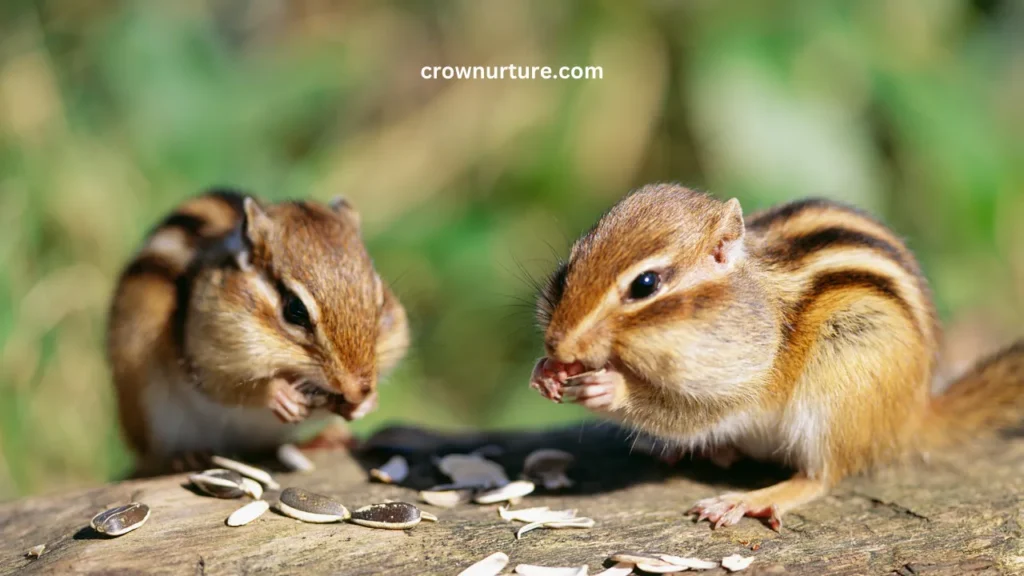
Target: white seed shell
[(257, 474), (427, 516), (252, 488), (35, 551), (574, 523), (532, 570), (294, 459), (691, 563), (490, 566), (735, 562), (446, 498), (394, 471), (248, 513), (538, 514), (661, 568), (509, 491)]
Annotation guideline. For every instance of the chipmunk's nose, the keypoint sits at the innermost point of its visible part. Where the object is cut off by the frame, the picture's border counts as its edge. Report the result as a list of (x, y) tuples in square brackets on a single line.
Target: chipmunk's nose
[(355, 388)]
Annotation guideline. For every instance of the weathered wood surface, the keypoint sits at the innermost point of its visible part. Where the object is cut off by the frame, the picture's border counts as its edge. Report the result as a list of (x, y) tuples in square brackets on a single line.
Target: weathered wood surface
[(962, 513)]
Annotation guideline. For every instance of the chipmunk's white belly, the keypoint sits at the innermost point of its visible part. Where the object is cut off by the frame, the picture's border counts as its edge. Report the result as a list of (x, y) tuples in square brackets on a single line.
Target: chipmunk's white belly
[(181, 419)]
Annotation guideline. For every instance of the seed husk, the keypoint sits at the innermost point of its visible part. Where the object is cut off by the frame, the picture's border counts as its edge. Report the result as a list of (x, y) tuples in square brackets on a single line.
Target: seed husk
[(618, 569), (509, 491), (257, 474), (573, 523), (427, 516), (394, 471), (248, 513), (35, 551), (310, 507), (219, 483), (735, 562), (532, 570), (661, 568), (490, 566), (388, 515), (120, 520), (470, 470), (446, 498), (538, 514), (690, 563), (636, 558), (252, 488), (294, 459), (547, 467)]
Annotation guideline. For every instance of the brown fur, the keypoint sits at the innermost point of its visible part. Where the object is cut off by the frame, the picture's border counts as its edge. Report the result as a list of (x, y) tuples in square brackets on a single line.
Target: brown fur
[(200, 307), (807, 335)]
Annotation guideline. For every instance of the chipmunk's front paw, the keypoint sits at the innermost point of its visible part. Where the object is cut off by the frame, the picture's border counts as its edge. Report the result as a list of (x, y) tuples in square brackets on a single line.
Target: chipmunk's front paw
[(545, 379), (286, 402), (601, 391), (728, 509)]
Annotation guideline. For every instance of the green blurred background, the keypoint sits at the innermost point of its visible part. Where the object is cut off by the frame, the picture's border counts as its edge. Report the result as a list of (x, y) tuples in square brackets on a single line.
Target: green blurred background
[(113, 112)]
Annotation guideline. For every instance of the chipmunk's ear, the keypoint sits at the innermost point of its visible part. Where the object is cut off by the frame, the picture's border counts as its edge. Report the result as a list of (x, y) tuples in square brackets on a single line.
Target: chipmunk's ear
[(257, 229), (728, 246), (342, 207)]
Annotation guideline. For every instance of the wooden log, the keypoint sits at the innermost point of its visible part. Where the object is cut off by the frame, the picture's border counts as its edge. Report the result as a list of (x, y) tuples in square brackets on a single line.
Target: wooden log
[(960, 513)]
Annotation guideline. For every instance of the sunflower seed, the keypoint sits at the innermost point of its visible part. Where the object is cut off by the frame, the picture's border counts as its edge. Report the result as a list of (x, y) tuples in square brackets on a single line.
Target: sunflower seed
[(531, 570), (539, 514), (573, 523), (310, 507), (619, 569), (690, 563), (469, 470), (388, 515), (252, 488), (294, 459), (509, 491), (661, 568), (446, 498), (490, 566), (35, 551), (735, 562), (547, 467), (394, 471), (261, 476), (636, 558), (120, 520), (427, 516), (248, 513), (219, 483)]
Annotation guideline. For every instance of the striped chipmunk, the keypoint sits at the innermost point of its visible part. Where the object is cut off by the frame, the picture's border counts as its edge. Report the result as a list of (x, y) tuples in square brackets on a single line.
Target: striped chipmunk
[(236, 320), (806, 335)]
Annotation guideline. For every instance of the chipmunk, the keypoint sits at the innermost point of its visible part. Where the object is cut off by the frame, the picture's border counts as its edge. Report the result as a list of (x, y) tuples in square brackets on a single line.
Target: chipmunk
[(805, 335), (237, 320)]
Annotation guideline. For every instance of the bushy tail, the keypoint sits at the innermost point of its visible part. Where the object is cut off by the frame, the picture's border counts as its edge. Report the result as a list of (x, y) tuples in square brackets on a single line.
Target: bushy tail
[(988, 398)]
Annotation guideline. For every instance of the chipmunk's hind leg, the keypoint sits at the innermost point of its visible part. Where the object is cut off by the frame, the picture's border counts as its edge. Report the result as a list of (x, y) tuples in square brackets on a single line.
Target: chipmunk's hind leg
[(771, 502)]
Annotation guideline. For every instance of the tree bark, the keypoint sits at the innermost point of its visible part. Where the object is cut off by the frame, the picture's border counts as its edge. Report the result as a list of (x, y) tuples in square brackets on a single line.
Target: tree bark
[(960, 513)]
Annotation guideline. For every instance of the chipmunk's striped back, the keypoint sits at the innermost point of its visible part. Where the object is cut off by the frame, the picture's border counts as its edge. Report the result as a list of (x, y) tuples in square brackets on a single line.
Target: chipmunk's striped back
[(816, 247), (148, 306)]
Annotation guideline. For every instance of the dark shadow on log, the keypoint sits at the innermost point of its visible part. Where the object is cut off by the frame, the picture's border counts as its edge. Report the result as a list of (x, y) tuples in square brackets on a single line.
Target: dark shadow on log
[(606, 460)]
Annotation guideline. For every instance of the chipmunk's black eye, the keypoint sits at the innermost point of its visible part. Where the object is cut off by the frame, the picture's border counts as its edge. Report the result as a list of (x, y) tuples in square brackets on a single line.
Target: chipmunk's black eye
[(644, 285), (295, 311)]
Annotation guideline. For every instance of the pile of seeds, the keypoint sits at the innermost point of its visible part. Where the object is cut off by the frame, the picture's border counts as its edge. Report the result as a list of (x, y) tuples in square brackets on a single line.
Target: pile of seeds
[(235, 479), (621, 564)]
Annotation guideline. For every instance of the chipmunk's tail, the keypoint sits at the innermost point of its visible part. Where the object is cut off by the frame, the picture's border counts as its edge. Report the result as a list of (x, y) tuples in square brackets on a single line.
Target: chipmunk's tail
[(987, 399)]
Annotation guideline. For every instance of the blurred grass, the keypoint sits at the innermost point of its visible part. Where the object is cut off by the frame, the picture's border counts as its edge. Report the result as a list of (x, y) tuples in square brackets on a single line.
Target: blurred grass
[(112, 112)]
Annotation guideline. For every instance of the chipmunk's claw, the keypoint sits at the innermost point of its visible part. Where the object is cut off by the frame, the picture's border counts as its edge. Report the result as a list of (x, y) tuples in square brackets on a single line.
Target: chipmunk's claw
[(729, 509)]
